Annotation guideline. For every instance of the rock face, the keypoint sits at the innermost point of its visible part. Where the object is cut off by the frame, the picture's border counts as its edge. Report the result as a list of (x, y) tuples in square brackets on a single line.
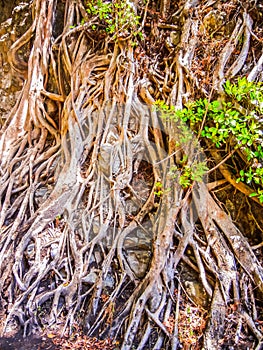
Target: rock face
[(15, 19), (138, 250), (193, 286)]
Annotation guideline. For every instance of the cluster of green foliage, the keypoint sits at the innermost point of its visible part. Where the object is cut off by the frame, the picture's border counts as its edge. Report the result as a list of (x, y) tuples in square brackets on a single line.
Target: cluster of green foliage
[(117, 18), (159, 191), (234, 122), (187, 171), (190, 173)]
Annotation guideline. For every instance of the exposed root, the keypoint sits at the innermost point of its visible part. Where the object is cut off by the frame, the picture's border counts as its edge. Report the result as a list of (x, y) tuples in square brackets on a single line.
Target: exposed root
[(84, 236)]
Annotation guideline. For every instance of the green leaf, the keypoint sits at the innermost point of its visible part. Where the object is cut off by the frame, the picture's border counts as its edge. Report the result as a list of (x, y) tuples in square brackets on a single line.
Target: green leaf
[(254, 194)]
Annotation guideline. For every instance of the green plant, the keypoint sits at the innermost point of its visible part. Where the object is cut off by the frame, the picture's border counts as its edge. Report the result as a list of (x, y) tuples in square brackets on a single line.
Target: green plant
[(185, 172), (234, 122), (159, 189), (117, 18), (258, 194)]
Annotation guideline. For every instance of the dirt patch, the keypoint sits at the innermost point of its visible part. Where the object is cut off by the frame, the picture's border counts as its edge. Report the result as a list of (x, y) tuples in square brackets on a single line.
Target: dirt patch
[(17, 342)]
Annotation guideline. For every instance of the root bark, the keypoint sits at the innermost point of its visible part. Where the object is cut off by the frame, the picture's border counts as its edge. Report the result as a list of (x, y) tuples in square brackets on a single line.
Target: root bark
[(84, 236)]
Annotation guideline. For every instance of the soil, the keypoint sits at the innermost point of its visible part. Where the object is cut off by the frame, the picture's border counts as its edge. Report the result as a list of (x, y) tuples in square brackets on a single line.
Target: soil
[(17, 342)]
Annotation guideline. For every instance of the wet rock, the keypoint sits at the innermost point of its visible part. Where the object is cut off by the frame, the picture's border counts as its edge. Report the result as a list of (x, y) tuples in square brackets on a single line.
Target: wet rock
[(90, 278), (138, 261), (131, 207), (139, 239), (193, 286), (41, 194), (30, 253), (109, 282), (138, 248), (54, 250)]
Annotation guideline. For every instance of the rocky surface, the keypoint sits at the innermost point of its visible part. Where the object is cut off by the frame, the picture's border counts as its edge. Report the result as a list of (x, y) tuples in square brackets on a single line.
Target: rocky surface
[(15, 18)]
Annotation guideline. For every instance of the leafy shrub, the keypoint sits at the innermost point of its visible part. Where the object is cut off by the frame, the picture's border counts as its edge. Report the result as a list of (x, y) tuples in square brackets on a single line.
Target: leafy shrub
[(234, 121)]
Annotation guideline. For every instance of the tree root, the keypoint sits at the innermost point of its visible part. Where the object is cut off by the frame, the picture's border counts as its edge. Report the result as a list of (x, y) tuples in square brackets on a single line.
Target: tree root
[(85, 237)]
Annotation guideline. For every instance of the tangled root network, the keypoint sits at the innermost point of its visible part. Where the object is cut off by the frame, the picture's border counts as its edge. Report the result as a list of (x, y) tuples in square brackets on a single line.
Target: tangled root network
[(96, 230)]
